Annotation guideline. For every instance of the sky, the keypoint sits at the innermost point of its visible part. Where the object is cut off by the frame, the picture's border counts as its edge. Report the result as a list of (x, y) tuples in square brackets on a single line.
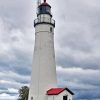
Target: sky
[(77, 46)]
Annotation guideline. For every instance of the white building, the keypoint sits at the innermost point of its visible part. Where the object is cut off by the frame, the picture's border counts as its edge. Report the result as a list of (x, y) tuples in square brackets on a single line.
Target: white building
[(59, 94), (43, 75)]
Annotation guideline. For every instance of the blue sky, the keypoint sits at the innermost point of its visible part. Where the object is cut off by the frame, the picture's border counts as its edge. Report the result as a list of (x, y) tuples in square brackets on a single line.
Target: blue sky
[(77, 46)]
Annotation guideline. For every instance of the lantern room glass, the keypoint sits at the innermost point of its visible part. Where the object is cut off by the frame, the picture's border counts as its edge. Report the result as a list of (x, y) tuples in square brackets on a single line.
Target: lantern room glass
[(44, 9)]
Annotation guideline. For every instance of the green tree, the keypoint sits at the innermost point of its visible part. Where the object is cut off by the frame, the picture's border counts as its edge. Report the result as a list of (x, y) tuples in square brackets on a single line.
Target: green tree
[(23, 93)]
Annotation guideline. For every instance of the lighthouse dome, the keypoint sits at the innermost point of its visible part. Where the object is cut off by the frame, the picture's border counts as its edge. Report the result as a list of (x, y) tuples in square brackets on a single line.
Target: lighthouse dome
[(44, 8)]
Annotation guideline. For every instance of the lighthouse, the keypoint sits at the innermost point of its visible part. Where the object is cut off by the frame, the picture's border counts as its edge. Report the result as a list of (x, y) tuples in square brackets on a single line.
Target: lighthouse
[(43, 78), (44, 67)]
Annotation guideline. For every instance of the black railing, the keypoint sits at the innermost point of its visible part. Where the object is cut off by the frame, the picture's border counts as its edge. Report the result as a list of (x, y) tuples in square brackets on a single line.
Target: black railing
[(44, 20)]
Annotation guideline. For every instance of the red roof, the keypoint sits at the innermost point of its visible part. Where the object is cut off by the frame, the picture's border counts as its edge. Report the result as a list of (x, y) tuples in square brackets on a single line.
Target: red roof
[(56, 91)]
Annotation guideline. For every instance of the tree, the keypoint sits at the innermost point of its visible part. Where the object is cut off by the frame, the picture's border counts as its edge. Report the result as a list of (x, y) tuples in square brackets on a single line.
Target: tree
[(23, 93)]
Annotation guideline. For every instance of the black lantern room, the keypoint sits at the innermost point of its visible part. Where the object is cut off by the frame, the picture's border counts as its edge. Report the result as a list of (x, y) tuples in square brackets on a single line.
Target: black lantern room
[(44, 8)]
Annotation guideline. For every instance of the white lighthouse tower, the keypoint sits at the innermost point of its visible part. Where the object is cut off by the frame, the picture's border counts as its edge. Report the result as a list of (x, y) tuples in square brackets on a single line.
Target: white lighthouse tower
[(44, 66), (43, 79)]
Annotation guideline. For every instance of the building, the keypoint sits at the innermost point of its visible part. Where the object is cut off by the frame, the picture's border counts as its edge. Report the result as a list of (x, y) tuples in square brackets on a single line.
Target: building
[(43, 77), (59, 94)]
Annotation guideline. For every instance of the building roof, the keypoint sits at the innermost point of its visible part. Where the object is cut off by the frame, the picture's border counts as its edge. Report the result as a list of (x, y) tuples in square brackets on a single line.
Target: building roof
[(45, 4), (56, 91)]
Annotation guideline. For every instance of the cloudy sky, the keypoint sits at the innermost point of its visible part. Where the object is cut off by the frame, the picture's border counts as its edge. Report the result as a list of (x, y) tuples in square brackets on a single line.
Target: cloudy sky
[(77, 46)]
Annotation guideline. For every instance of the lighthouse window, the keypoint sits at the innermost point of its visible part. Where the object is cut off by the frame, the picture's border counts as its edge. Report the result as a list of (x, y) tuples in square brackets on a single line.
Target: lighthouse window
[(42, 9), (51, 29), (48, 9), (31, 98)]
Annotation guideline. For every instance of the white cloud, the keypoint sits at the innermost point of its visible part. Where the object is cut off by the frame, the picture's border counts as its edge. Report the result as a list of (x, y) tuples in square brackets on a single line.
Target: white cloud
[(12, 90), (13, 76), (8, 97), (78, 78)]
